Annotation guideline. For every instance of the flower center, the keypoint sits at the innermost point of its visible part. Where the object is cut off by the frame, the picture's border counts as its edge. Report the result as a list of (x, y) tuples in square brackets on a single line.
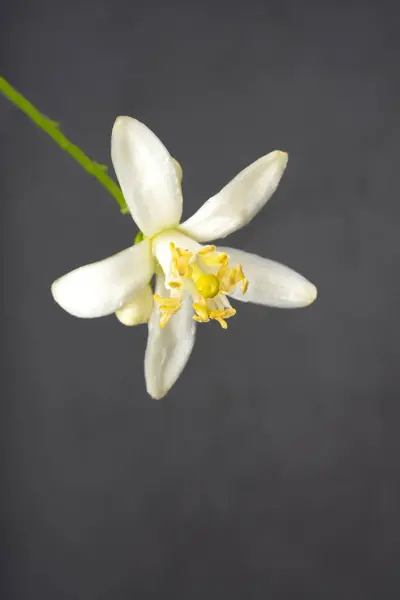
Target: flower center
[(208, 278)]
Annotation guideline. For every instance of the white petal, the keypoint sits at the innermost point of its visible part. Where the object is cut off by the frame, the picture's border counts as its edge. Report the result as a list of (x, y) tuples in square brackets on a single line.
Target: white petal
[(101, 288), (239, 201), (147, 176), (168, 349), (178, 170), (138, 310), (271, 283)]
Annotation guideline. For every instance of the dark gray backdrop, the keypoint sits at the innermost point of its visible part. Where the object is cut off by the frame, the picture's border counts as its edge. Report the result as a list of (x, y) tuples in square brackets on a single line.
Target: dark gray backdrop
[(271, 470)]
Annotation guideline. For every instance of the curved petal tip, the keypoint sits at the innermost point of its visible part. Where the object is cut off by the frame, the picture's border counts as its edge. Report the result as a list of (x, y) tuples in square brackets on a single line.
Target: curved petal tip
[(283, 157), (312, 294)]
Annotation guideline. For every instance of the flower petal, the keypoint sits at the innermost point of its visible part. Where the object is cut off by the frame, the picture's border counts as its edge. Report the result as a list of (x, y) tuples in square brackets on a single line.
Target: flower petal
[(178, 170), (138, 310), (147, 176), (168, 349), (239, 201), (103, 287), (271, 283)]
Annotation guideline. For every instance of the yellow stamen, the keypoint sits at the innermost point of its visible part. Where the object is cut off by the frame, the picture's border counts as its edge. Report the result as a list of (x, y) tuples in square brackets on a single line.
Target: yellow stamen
[(230, 278), (226, 313), (221, 315), (198, 319), (168, 307), (206, 250), (180, 261), (166, 301), (165, 317), (240, 277), (214, 258), (221, 321), (201, 311), (223, 276)]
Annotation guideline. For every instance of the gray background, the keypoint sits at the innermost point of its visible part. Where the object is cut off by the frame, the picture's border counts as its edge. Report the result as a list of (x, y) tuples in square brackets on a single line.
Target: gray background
[(272, 468)]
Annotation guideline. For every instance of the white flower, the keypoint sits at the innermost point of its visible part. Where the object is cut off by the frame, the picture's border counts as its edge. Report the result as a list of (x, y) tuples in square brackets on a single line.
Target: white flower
[(193, 281)]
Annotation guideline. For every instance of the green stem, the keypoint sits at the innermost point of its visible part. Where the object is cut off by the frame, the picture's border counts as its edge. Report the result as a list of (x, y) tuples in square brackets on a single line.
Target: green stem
[(52, 129)]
